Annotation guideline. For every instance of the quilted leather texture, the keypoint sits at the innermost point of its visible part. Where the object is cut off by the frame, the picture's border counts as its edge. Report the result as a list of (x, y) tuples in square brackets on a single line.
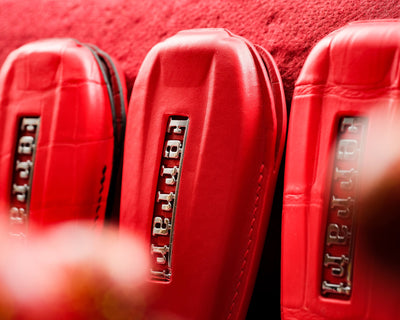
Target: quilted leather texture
[(64, 84), (353, 72)]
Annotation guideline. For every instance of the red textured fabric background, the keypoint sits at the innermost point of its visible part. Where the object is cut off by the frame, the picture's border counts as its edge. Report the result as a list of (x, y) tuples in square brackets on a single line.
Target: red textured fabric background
[(128, 29)]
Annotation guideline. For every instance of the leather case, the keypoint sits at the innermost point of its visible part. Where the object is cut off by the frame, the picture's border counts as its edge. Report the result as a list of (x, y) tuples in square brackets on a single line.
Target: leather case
[(347, 89), (62, 123), (205, 135)]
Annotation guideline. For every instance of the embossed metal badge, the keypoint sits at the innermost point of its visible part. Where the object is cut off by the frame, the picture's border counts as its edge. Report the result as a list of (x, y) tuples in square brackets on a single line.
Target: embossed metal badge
[(338, 252), (166, 197), (21, 187)]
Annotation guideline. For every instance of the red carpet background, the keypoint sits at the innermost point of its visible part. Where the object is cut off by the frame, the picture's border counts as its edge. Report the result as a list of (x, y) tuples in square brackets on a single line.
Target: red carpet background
[(128, 29)]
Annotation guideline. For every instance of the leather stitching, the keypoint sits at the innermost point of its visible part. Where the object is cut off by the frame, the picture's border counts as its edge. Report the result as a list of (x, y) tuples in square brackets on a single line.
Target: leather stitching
[(250, 235)]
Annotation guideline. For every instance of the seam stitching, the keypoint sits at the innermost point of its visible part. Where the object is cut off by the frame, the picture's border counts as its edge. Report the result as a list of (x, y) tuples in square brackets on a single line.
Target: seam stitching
[(253, 220)]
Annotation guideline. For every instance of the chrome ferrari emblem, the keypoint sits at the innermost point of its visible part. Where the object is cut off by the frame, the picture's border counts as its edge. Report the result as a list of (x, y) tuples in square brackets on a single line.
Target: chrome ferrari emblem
[(21, 187), (338, 248), (166, 198)]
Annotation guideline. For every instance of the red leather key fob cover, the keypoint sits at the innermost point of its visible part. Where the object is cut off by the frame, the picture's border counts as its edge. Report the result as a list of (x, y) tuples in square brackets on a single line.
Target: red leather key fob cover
[(205, 135), (346, 88), (62, 105)]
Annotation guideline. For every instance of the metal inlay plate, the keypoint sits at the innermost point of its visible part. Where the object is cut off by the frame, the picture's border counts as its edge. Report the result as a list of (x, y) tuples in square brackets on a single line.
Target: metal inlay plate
[(21, 187), (337, 260), (166, 198)]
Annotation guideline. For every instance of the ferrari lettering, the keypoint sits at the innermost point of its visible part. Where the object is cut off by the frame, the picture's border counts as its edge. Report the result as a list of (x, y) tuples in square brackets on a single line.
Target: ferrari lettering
[(161, 226), (160, 274), (169, 198), (337, 264), (26, 145), (345, 206), (17, 215), (348, 149), (173, 149), (24, 168), (337, 234), (177, 126), (20, 192), (338, 248), (30, 124), (161, 253), (346, 177), (166, 198), (21, 187), (172, 172), (340, 288), (351, 124)]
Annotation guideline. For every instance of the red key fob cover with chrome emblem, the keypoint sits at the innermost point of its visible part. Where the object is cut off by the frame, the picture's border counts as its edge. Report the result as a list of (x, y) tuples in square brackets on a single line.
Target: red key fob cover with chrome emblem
[(203, 146), (62, 118), (346, 90)]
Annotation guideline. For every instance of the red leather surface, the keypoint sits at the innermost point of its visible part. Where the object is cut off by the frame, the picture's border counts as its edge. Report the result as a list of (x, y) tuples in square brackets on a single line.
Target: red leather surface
[(233, 148), (59, 81), (351, 72)]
